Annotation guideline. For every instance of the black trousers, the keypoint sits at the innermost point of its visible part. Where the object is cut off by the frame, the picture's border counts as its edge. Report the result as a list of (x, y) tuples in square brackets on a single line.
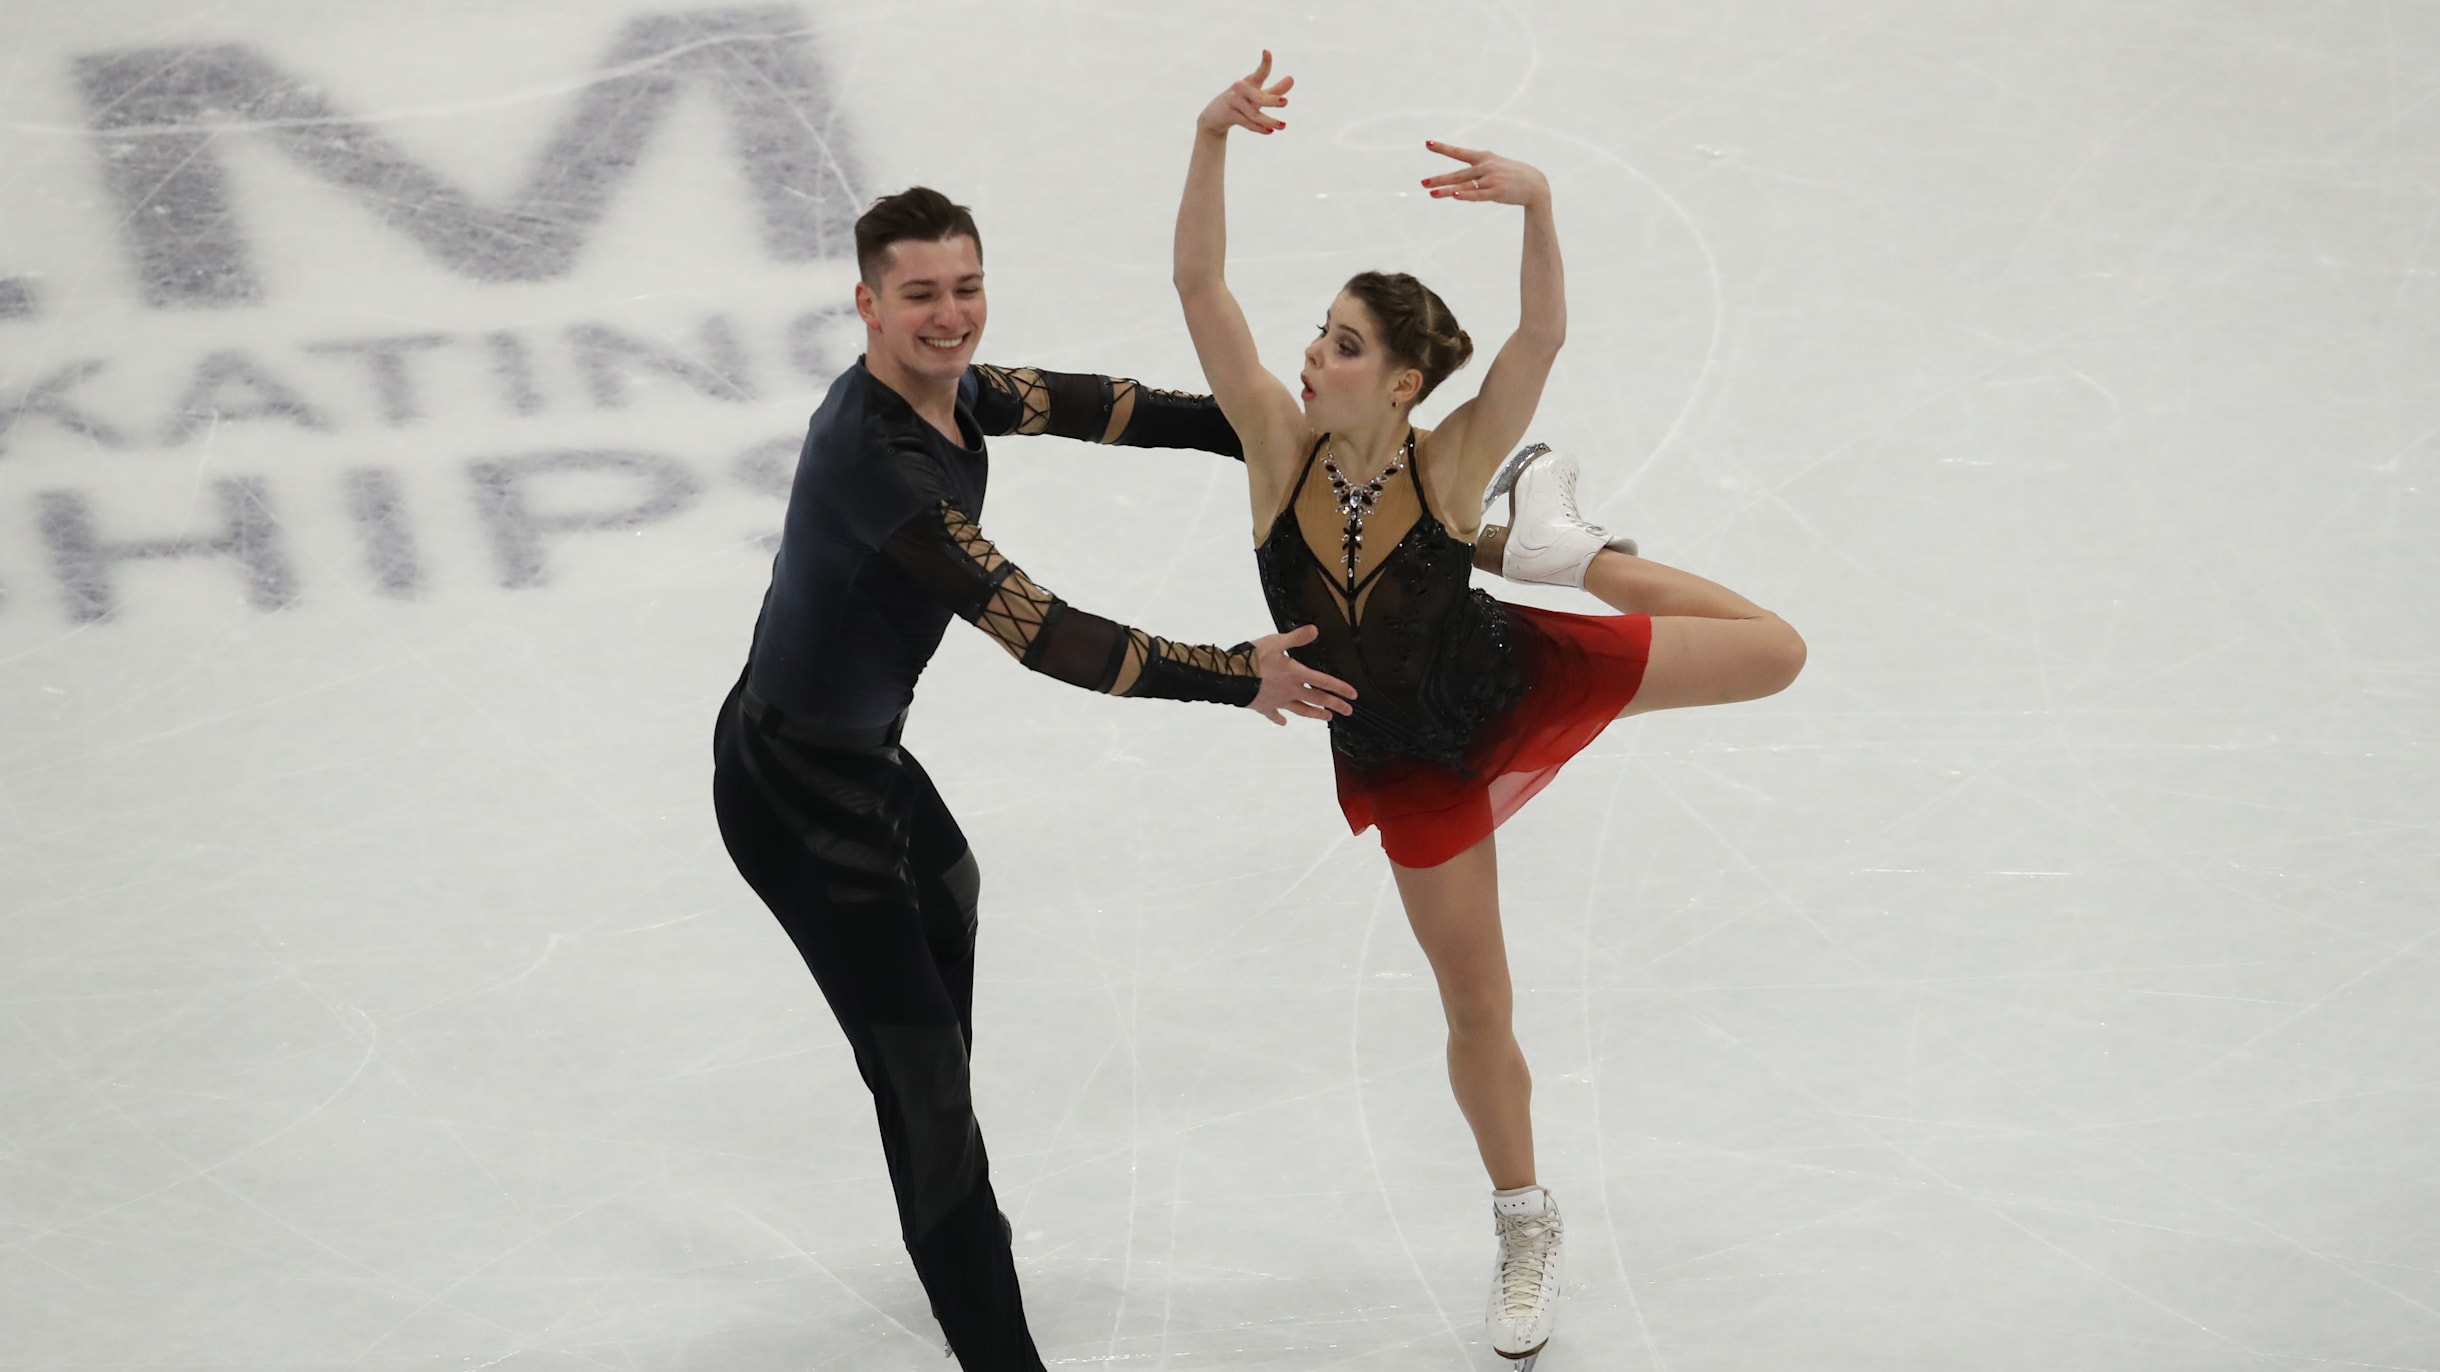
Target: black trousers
[(849, 844)]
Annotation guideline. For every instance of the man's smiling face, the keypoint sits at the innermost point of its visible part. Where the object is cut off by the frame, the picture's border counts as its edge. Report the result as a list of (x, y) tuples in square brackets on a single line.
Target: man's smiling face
[(926, 313)]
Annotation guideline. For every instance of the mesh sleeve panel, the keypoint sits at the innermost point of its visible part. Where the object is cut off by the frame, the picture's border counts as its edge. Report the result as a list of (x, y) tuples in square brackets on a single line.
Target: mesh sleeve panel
[(946, 553), (1192, 671), (1101, 409), (1174, 419), (1013, 400), (1029, 400)]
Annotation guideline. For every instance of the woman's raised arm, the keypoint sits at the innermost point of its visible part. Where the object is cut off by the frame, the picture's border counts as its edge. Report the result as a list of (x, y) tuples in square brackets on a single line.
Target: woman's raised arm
[(1482, 430), (1261, 409)]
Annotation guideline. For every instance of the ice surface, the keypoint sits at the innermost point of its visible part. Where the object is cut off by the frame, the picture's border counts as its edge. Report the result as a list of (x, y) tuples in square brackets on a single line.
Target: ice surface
[(392, 404)]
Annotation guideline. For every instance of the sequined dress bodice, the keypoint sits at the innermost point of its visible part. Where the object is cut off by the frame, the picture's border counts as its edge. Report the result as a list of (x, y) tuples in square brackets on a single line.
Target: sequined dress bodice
[(1432, 659)]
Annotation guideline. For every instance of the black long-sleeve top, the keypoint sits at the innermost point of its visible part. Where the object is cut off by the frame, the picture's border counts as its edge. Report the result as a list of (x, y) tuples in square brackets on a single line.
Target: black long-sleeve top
[(883, 544)]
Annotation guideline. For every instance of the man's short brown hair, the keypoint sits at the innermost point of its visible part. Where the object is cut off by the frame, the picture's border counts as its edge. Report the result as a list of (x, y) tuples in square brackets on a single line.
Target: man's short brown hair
[(918, 214)]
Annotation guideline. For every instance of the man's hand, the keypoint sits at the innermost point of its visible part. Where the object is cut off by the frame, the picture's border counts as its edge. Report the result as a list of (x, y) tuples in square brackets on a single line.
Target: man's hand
[(1291, 686), (1241, 106)]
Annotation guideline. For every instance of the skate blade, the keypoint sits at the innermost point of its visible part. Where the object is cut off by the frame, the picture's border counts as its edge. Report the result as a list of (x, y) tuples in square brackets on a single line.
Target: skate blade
[(1523, 1362), (1505, 479)]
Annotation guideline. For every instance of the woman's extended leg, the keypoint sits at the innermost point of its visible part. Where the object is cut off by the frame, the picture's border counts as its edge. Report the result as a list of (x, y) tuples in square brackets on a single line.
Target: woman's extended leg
[(1455, 911), (1710, 645)]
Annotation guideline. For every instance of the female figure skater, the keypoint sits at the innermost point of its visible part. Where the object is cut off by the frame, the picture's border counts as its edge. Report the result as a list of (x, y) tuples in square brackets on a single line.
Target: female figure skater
[(1465, 706)]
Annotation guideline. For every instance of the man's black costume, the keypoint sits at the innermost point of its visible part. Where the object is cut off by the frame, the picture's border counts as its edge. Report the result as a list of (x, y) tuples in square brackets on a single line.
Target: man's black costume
[(837, 828)]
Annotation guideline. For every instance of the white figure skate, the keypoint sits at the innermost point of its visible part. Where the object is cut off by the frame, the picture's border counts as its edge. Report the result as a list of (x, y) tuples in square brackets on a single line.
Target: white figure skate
[(1525, 1283), (1549, 541)]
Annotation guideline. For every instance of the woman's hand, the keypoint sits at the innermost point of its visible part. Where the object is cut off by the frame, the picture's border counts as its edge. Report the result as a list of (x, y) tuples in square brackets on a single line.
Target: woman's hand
[(1241, 106), (1487, 176)]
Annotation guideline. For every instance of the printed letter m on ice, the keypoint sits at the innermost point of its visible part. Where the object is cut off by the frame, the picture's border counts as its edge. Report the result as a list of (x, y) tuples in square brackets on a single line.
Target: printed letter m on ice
[(159, 114)]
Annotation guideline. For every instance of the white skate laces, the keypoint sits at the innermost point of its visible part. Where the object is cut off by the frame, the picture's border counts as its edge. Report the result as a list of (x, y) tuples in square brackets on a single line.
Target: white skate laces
[(1525, 1283), (1549, 540)]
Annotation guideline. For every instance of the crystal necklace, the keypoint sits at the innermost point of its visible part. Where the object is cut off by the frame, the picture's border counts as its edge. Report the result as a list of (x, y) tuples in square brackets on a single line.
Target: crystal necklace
[(1356, 501)]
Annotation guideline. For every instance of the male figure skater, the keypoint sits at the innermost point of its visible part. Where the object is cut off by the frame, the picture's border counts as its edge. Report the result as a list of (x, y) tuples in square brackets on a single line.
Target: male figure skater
[(834, 825)]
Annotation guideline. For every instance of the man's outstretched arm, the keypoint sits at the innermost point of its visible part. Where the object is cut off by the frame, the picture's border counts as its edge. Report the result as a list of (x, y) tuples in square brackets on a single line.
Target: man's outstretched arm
[(946, 554), (1100, 409)]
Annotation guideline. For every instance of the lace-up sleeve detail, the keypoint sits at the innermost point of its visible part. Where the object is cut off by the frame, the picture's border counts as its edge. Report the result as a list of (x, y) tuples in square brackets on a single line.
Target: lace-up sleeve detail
[(947, 554), (1013, 400), (1100, 409)]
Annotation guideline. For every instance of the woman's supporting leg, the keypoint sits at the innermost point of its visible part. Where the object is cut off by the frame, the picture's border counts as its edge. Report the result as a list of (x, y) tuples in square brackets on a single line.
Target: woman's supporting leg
[(1455, 911), (1710, 645)]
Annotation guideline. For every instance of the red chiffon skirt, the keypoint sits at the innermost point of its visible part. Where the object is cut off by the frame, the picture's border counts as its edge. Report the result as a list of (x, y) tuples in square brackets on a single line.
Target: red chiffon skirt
[(1580, 670)]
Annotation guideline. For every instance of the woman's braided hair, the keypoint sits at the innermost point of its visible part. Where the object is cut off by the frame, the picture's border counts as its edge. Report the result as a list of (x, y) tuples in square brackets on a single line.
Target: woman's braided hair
[(1416, 326)]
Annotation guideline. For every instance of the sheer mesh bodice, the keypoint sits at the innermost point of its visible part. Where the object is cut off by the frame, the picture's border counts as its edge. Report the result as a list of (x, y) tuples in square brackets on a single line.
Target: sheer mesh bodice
[(1430, 657)]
